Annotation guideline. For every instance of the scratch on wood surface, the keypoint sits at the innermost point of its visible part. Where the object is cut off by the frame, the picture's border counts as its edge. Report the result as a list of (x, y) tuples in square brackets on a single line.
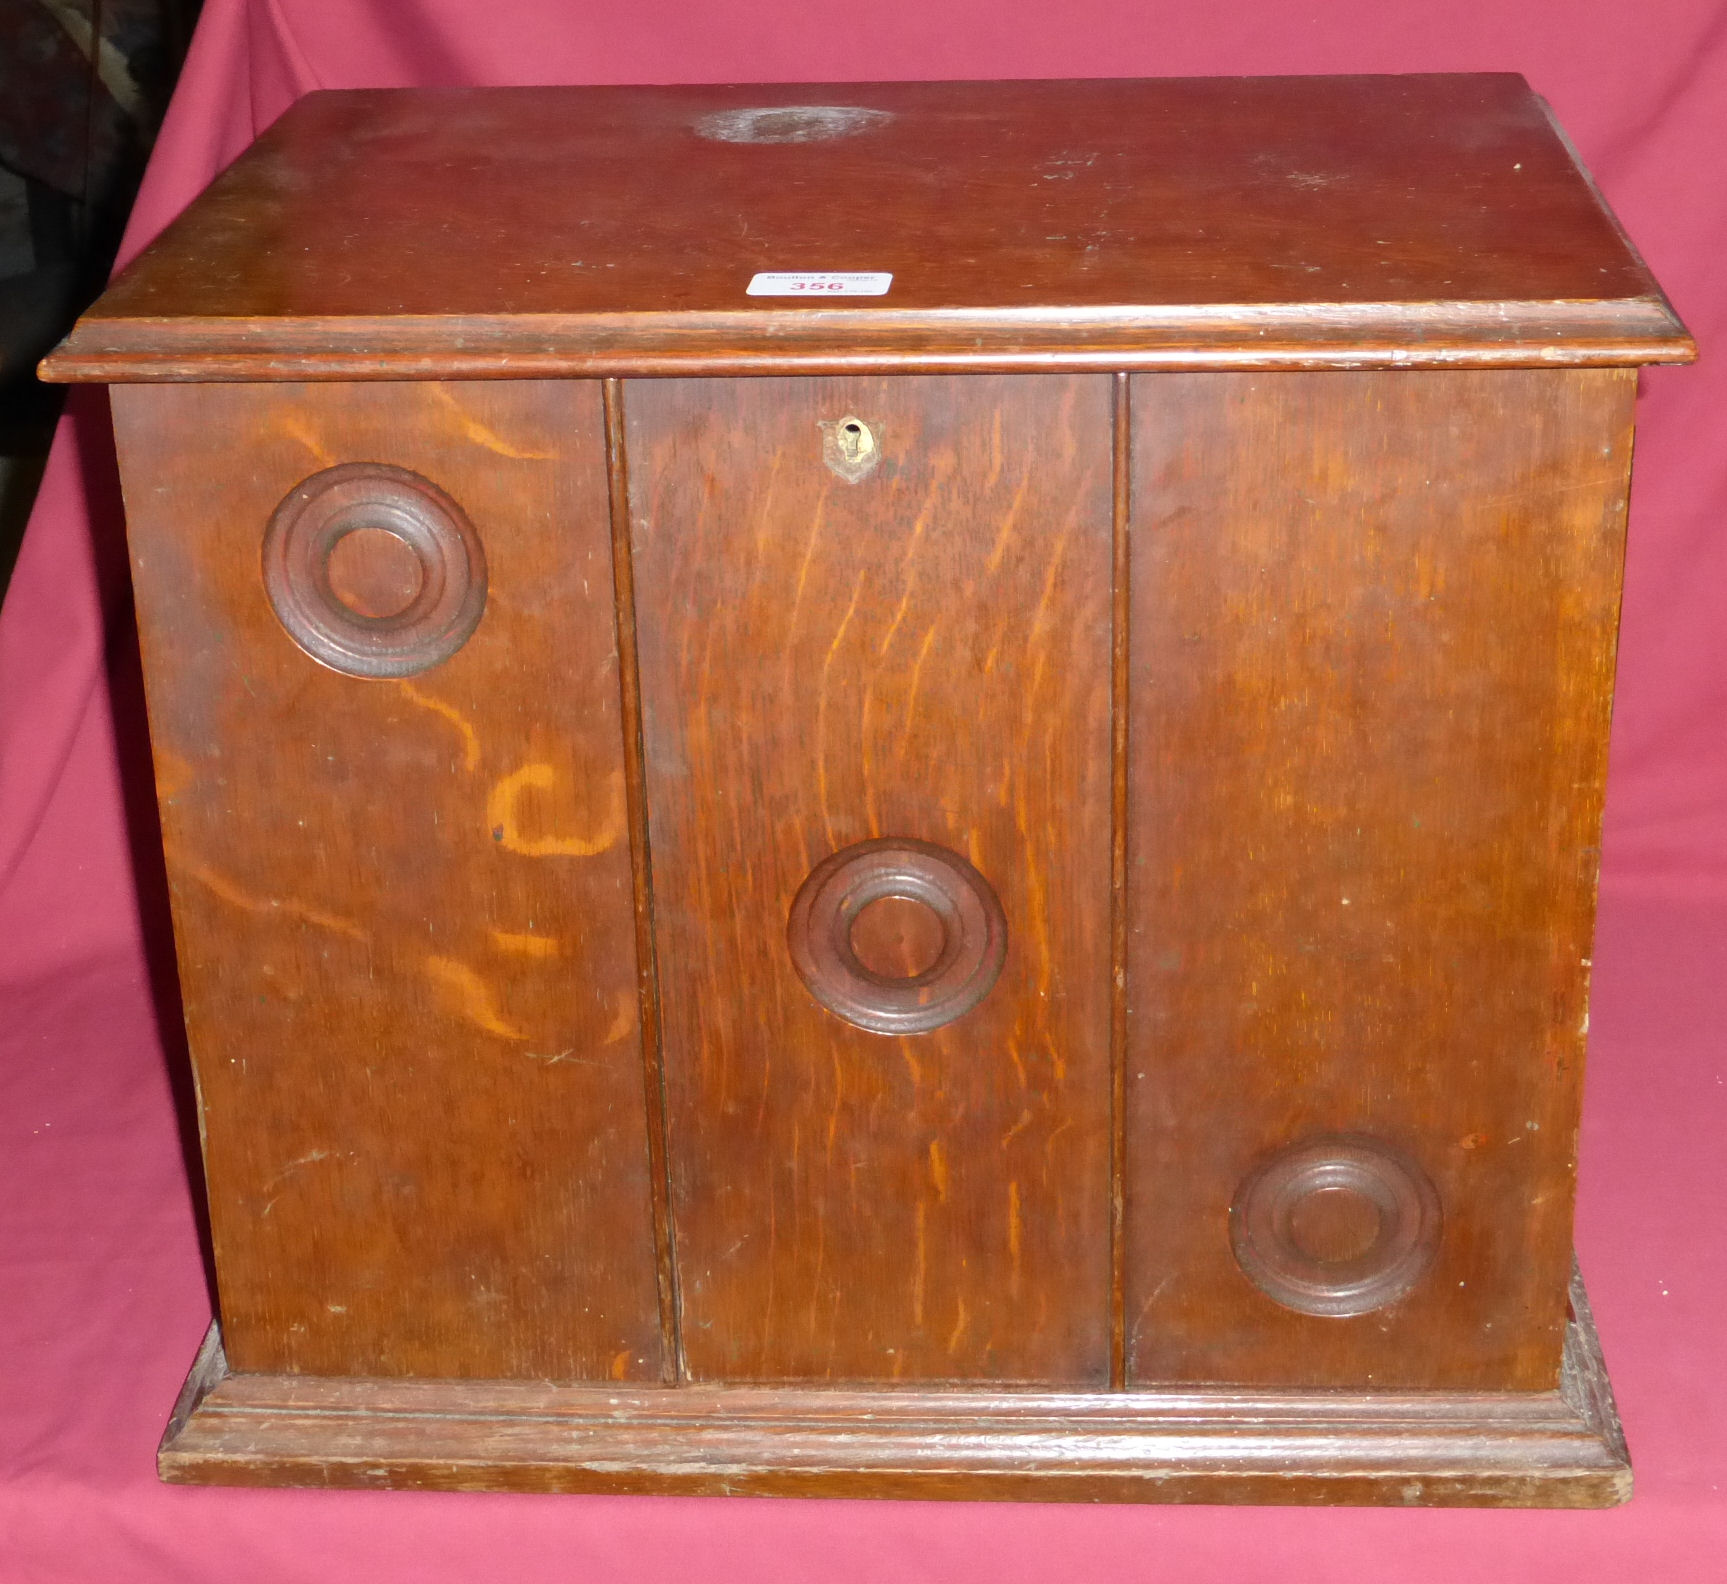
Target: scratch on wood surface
[(471, 997), (275, 1185), (525, 945), (1145, 1308), (501, 816), (1541, 492), (1018, 1128), (470, 738), (566, 1058), (221, 886), (311, 1157), (481, 434)]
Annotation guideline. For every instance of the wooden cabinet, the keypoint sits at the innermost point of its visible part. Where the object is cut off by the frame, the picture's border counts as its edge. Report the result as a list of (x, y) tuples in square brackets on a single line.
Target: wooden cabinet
[(897, 791)]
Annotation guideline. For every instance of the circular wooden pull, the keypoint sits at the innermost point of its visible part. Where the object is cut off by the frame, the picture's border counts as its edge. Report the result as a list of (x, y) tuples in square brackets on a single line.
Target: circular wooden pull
[(897, 936), (1335, 1226), (373, 570)]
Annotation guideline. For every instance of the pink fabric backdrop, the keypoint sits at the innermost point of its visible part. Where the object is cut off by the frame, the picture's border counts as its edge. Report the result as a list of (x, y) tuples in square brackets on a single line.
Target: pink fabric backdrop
[(104, 1295)]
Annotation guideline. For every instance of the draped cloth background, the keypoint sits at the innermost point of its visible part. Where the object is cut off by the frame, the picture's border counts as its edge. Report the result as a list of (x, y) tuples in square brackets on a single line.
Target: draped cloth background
[(103, 1296)]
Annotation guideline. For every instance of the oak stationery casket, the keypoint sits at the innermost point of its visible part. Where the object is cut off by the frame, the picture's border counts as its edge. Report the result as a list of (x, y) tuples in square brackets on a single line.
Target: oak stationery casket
[(889, 789)]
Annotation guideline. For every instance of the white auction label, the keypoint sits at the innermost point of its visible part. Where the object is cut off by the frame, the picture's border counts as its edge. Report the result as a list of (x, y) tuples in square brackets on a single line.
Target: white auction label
[(811, 283)]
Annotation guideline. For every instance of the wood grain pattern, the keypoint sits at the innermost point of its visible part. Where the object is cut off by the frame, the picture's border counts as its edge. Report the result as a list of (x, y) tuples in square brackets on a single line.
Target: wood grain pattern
[(402, 907), (1373, 643), (1409, 220), (1559, 1448), (924, 654)]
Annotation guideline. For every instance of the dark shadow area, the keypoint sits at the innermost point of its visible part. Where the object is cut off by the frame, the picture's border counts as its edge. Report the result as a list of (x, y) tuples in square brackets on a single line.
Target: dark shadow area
[(28, 413), (83, 87)]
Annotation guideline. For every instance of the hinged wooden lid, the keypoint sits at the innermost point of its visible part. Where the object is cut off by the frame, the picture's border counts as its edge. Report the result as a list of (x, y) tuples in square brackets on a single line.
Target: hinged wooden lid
[(1186, 223)]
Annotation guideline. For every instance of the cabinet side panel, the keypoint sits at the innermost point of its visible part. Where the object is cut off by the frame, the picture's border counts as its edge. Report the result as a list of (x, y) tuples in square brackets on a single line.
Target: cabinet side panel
[(403, 907), (921, 652), (1372, 660)]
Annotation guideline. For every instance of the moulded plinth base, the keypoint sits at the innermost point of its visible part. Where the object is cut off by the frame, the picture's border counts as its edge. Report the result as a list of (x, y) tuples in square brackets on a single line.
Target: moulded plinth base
[(1548, 1449)]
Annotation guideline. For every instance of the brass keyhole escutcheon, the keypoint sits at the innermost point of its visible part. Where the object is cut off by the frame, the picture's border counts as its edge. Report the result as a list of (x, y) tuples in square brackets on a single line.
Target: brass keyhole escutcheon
[(850, 448)]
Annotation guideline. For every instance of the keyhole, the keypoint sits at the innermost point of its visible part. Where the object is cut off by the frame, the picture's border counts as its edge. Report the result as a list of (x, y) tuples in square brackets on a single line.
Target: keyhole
[(856, 442), (849, 448)]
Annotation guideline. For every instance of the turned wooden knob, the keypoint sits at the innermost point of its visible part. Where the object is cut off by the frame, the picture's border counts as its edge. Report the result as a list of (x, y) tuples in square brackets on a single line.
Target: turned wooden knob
[(373, 570), (897, 936), (1335, 1226)]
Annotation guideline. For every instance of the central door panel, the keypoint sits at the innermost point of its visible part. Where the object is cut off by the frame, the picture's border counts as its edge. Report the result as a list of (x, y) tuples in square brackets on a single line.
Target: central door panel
[(874, 629)]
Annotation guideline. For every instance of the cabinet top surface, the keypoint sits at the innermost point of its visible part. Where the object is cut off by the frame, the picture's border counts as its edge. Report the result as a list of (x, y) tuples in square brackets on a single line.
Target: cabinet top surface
[(1187, 222)]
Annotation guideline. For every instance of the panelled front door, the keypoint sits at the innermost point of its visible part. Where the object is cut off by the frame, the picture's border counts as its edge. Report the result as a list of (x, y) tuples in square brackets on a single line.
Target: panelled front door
[(874, 622), (1372, 639)]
